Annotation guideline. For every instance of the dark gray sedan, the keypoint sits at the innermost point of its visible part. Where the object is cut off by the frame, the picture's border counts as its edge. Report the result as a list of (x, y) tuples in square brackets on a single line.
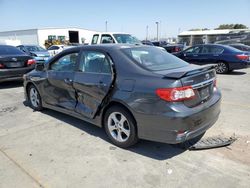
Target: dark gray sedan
[(134, 92)]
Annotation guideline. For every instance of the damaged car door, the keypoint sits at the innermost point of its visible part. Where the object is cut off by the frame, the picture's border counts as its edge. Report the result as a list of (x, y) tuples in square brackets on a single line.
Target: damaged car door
[(59, 89), (92, 82)]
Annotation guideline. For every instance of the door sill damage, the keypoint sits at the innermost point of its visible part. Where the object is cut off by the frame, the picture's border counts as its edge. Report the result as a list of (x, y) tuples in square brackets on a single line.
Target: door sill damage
[(209, 143)]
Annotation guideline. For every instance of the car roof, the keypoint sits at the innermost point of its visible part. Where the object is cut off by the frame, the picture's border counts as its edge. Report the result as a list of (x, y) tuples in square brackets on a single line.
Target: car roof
[(107, 46), (221, 45), (5, 45)]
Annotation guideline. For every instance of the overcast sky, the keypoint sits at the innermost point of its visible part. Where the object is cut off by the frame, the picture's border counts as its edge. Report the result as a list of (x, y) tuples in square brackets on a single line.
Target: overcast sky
[(130, 16)]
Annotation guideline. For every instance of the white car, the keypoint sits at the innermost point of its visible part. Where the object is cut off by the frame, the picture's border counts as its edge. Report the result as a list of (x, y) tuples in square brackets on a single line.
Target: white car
[(55, 49)]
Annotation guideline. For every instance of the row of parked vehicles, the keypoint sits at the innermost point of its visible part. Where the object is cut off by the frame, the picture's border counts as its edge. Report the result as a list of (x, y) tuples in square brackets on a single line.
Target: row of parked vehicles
[(226, 57), (127, 88)]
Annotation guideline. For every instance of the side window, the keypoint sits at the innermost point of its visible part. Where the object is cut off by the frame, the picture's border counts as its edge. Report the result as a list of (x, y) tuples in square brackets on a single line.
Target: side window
[(95, 39), (95, 62), (193, 50), (206, 50), (65, 63), (216, 50), (53, 48), (107, 39)]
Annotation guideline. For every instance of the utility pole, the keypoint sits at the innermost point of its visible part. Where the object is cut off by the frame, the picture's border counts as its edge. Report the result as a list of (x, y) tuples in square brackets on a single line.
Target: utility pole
[(146, 32), (157, 30), (106, 26)]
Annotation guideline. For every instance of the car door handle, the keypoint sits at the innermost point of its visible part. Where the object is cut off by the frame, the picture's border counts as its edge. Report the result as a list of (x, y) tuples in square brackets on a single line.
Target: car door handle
[(195, 55), (68, 81)]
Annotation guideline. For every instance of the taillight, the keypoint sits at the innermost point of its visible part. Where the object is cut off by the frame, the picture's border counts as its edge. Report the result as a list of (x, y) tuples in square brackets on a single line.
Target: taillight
[(176, 94), (176, 49), (242, 57), (1, 66), (31, 62)]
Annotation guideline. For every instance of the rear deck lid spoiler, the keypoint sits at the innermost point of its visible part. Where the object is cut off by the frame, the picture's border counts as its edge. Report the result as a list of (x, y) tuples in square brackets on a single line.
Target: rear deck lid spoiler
[(188, 72)]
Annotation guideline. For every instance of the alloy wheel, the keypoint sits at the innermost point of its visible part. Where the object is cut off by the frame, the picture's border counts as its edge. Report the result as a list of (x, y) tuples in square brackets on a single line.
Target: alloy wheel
[(221, 68), (118, 127), (34, 97)]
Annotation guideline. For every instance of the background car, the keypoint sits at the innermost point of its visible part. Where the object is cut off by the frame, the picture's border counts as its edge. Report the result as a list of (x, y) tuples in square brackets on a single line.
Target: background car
[(37, 52), (225, 57), (55, 49), (170, 48), (241, 47), (133, 91), (14, 63)]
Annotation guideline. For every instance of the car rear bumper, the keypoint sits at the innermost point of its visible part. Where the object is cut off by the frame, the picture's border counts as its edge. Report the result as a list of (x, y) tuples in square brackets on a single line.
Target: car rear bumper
[(239, 65), (14, 74), (180, 125)]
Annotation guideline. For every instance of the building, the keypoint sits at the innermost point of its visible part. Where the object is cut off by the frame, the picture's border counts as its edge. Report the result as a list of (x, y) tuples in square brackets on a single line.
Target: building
[(224, 36), (45, 35)]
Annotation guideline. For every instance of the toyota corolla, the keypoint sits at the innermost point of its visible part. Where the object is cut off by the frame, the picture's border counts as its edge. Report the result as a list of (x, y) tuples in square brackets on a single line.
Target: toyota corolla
[(134, 92)]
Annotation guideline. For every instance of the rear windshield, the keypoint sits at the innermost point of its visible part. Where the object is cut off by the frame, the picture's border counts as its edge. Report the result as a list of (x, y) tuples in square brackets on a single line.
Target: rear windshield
[(232, 49), (35, 48), (9, 50), (153, 58), (126, 39)]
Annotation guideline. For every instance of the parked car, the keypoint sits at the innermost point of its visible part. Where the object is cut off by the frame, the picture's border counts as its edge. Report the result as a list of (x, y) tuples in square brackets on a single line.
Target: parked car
[(112, 37), (225, 57), (37, 52), (133, 91), (147, 42), (241, 47), (14, 63), (55, 49), (170, 48)]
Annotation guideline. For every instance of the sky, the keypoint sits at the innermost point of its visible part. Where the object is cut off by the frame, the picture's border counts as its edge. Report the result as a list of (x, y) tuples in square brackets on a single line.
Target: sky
[(131, 16)]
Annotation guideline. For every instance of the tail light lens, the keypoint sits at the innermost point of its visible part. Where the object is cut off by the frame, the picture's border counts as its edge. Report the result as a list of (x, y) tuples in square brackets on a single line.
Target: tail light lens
[(242, 57), (176, 49), (31, 62), (176, 94), (1, 66)]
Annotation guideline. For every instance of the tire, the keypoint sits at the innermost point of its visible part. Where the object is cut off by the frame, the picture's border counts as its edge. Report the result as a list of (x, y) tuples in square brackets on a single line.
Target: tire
[(120, 127), (34, 98), (221, 68)]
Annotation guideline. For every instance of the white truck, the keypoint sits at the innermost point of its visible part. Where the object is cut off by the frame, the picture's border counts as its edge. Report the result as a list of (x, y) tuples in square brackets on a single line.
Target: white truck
[(114, 37)]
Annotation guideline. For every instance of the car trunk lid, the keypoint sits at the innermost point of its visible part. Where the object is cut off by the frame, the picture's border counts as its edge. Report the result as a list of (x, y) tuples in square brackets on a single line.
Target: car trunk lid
[(14, 61)]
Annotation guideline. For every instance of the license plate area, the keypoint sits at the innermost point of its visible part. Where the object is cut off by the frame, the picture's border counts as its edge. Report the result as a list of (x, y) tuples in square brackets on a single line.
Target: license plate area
[(204, 93), (14, 64)]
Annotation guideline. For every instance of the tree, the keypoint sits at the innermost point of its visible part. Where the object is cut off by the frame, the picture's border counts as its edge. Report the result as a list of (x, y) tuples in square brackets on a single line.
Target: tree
[(232, 26)]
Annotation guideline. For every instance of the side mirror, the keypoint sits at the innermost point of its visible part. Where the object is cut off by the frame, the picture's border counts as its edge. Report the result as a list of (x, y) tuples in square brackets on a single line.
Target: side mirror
[(39, 67)]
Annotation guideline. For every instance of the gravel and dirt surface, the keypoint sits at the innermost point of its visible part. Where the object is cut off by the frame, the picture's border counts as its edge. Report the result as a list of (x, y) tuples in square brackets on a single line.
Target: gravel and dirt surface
[(50, 149)]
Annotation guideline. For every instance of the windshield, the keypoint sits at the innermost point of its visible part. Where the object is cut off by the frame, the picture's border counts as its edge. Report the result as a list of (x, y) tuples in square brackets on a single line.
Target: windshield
[(126, 39), (35, 48), (153, 58), (9, 50)]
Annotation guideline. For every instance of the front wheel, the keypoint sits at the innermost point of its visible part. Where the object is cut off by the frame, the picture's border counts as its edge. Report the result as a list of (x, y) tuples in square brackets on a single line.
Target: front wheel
[(34, 98), (120, 127), (221, 68)]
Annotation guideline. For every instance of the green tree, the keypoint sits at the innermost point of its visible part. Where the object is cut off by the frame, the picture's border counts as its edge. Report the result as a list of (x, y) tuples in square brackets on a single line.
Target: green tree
[(232, 26)]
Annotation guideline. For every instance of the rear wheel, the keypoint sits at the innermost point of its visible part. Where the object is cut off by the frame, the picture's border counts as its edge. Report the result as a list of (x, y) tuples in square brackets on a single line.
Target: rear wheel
[(34, 98), (221, 68), (120, 127)]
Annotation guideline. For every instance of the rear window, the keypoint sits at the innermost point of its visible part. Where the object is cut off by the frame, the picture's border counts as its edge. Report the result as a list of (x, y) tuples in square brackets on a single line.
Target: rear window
[(126, 39), (153, 58), (9, 50), (35, 48)]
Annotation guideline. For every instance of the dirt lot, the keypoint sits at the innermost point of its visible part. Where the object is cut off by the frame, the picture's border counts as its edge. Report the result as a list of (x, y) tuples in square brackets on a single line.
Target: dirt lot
[(50, 149)]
